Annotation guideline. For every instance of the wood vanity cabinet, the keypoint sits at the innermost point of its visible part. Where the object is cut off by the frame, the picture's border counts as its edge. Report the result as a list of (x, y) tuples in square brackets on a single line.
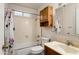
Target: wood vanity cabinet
[(49, 51), (46, 16)]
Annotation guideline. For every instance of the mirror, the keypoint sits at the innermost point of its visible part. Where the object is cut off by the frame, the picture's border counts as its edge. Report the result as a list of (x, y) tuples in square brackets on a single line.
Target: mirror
[(68, 18)]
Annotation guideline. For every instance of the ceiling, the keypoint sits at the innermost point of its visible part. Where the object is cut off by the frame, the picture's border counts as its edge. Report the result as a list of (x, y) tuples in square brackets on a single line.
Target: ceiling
[(31, 5)]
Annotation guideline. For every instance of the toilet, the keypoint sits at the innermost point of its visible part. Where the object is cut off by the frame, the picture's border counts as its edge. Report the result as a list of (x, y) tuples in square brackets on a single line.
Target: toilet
[(39, 49)]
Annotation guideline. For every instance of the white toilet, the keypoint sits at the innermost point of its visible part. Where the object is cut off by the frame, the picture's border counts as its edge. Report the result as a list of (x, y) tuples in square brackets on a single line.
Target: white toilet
[(39, 49)]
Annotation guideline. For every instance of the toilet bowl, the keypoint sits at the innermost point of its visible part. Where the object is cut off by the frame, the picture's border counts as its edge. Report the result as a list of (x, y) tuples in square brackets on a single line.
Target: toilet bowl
[(39, 49), (36, 49)]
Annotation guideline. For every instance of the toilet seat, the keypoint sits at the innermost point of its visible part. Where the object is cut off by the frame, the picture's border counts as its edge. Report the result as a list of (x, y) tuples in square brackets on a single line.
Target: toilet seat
[(36, 49)]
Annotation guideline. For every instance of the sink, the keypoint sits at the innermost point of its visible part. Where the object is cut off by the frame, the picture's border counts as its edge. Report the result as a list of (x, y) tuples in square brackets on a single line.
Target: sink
[(71, 50), (68, 49), (63, 48)]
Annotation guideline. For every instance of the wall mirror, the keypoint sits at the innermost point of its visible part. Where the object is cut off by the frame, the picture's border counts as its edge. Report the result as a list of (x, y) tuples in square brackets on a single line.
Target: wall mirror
[(68, 18)]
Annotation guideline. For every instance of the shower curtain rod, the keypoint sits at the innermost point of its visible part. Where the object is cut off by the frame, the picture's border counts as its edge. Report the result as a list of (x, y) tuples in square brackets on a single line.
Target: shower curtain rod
[(25, 12)]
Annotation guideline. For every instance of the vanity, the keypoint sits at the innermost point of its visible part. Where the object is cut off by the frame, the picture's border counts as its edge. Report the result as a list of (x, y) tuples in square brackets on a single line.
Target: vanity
[(58, 48), (49, 51)]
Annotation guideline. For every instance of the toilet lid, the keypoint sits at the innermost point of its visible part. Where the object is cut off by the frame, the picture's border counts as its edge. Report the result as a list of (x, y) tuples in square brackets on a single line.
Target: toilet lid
[(37, 48)]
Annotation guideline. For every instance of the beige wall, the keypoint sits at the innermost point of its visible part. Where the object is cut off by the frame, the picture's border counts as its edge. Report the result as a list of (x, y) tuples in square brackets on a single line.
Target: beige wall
[(1, 26), (63, 38)]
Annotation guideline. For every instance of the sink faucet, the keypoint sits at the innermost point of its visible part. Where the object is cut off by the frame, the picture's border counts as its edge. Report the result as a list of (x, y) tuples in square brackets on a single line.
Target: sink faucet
[(69, 43)]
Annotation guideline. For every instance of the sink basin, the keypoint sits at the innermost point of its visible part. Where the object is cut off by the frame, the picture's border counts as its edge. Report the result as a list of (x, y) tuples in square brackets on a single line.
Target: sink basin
[(71, 50), (68, 49), (63, 48)]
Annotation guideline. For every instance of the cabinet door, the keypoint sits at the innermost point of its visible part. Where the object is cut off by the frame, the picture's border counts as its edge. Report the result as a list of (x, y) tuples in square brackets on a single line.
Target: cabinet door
[(50, 15), (44, 14), (49, 51)]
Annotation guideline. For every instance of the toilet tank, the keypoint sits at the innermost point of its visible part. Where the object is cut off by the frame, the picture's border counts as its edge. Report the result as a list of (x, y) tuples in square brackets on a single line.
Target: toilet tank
[(44, 40)]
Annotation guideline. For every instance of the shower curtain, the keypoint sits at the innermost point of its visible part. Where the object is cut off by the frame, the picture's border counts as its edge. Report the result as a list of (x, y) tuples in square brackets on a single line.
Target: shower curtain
[(9, 28)]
